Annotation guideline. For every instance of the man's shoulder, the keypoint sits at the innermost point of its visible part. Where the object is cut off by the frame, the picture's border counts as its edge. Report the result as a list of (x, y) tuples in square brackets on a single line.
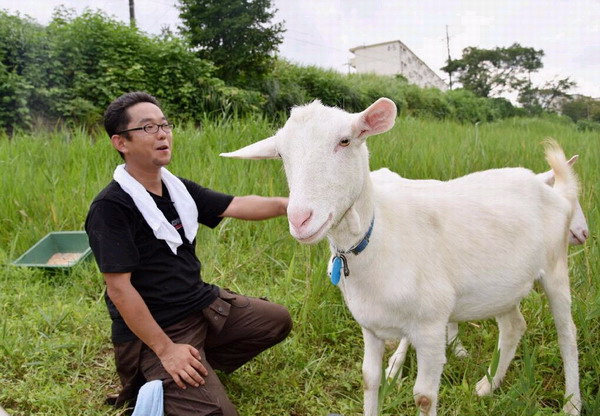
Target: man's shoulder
[(193, 187), (111, 202), (187, 182), (114, 193)]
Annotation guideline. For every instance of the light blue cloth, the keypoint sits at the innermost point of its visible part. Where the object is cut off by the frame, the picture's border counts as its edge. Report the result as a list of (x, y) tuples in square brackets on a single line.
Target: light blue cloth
[(150, 400)]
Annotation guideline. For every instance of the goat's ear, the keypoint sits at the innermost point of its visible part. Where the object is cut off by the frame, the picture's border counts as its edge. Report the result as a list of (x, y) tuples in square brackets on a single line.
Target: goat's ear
[(547, 177), (263, 149), (378, 118)]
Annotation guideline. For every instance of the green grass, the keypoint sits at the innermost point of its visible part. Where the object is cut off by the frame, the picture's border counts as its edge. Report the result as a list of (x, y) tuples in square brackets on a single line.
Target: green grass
[(55, 352)]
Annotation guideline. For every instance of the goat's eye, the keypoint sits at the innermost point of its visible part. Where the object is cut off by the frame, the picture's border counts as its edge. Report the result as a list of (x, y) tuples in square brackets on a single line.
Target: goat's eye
[(344, 142)]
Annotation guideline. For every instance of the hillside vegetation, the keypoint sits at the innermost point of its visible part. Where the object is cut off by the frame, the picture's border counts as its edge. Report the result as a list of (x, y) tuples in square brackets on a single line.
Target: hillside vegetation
[(69, 71)]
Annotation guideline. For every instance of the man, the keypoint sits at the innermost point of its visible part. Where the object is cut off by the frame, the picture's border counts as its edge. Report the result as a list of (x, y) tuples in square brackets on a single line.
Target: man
[(167, 324)]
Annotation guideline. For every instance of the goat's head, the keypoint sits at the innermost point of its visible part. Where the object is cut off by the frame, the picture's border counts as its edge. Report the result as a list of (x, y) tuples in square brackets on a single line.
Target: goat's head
[(325, 159)]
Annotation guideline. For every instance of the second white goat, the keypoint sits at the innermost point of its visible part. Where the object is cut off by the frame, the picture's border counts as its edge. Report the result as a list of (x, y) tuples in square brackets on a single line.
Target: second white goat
[(578, 234), (412, 259)]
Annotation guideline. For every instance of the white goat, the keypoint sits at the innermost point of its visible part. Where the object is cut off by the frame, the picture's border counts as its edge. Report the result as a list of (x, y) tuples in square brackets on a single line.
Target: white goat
[(578, 229), (466, 249), (578, 234)]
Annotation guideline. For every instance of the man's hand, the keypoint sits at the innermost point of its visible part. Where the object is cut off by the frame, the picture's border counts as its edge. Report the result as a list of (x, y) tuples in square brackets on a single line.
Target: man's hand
[(182, 362)]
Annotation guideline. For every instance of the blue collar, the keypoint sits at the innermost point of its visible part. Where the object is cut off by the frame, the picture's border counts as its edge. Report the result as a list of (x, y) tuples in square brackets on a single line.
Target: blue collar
[(339, 262), (362, 244)]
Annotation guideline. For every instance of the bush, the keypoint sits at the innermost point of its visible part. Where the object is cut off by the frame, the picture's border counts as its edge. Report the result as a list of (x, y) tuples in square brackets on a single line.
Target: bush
[(282, 89), (582, 108), (371, 87), (469, 108), (426, 102), (73, 68), (14, 95), (331, 87), (22, 44), (588, 125)]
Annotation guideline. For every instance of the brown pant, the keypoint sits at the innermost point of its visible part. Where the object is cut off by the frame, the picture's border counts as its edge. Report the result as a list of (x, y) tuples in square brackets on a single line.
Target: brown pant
[(230, 332)]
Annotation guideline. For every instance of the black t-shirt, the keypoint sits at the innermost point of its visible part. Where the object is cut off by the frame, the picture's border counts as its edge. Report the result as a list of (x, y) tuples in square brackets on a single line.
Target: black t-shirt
[(122, 241)]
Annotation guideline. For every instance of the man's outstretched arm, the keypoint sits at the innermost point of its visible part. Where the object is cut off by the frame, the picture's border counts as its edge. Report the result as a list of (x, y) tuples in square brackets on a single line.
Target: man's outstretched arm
[(254, 207)]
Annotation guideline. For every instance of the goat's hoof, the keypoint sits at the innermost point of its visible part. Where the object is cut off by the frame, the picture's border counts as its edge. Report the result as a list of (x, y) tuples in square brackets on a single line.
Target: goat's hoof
[(483, 387), (423, 403)]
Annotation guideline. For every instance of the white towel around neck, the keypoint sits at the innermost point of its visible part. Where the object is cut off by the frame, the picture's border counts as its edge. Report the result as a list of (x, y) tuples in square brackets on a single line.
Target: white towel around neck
[(184, 204)]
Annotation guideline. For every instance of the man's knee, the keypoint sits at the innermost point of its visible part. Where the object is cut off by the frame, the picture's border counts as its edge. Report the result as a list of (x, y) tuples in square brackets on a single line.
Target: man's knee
[(281, 324), (208, 400), (284, 324)]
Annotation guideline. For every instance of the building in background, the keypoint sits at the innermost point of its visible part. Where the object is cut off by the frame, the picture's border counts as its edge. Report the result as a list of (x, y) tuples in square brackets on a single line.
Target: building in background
[(394, 58)]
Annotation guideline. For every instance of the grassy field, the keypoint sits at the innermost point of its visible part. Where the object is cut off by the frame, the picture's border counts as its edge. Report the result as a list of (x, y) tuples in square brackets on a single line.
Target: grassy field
[(55, 352)]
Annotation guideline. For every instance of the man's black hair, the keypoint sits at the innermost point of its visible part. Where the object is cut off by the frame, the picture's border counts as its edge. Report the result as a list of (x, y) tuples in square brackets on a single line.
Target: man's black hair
[(116, 117)]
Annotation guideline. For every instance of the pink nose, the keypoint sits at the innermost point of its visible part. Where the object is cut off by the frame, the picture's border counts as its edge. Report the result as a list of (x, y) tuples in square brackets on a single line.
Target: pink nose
[(578, 236), (300, 218)]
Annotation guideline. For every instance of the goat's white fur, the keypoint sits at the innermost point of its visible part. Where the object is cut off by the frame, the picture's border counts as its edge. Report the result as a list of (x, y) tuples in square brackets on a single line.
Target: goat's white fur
[(470, 248), (578, 234)]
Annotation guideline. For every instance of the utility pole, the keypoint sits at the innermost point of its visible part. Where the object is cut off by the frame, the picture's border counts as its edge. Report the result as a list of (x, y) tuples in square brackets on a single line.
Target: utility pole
[(449, 58), (349, 65), (131, 14)]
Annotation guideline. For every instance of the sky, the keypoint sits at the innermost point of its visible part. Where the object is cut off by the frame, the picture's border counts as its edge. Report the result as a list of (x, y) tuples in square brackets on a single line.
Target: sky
[(321, 32)]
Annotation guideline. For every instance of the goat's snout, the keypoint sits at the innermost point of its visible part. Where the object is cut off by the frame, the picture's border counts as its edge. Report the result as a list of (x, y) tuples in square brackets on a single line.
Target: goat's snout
[(578, 236), (299, 219)]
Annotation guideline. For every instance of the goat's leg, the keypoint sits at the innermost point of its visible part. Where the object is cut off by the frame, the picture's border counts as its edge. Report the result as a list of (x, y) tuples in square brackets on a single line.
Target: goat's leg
[(371, 369), (430, 344), (556, 286), (511, 326), (399, 356), (397, 359), (454, 341)]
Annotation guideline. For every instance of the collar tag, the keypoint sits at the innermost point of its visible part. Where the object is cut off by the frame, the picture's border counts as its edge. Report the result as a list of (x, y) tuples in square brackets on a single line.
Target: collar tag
[(336, 269), (339, 263)]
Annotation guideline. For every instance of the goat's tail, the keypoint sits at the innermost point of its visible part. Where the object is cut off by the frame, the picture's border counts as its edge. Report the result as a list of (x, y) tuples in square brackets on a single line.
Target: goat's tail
[(565, 182)]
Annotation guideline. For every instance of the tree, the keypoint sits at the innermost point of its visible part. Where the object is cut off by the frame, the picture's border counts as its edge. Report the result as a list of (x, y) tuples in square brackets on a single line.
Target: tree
[(491, 72), (546, 98), (582, 108), (235, 35)]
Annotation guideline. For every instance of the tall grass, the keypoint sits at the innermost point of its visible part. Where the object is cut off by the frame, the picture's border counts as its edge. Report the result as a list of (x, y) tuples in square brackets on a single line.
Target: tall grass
[(55, 353)]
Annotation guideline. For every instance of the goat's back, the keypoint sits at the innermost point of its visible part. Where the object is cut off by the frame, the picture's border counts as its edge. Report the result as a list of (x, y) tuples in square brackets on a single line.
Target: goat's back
[(486, 235)]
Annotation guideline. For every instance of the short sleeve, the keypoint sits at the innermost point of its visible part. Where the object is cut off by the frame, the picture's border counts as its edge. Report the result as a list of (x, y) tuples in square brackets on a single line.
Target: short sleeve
[(211, 204), (109, 226)]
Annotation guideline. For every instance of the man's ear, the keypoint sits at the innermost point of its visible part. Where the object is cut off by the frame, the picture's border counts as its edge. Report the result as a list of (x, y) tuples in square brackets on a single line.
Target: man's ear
[(118, 142)]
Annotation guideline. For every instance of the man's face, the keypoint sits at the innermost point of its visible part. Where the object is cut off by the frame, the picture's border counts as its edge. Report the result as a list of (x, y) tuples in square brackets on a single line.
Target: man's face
[(144, 150)]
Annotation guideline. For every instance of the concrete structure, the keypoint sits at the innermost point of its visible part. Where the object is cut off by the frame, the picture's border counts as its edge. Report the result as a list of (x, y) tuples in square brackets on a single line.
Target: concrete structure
[(393, 58)]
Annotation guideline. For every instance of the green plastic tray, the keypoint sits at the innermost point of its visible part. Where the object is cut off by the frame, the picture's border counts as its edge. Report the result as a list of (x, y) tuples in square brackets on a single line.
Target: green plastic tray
[(57, 250)]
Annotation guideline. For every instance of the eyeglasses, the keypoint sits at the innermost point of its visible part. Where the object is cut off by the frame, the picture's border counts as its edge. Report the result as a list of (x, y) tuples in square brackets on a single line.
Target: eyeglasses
[(152, 128)]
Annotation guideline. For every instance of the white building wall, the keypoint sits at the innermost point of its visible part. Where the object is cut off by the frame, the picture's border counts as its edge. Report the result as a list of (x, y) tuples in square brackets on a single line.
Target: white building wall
[(393, 58)]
